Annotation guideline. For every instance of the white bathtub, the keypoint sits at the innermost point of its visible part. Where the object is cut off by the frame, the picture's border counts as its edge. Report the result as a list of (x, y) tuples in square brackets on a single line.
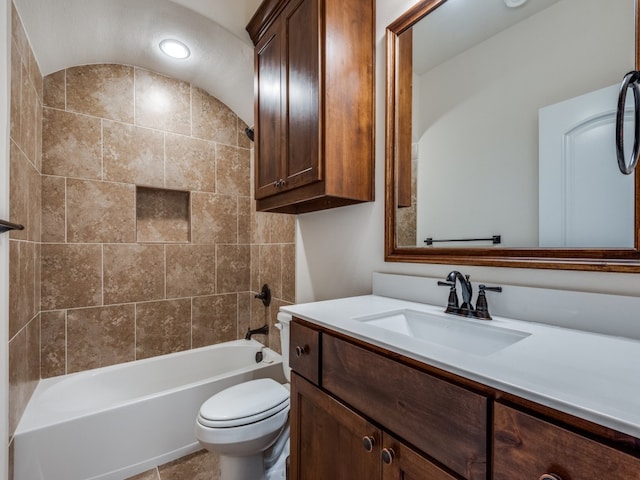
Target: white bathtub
[(114, 422)]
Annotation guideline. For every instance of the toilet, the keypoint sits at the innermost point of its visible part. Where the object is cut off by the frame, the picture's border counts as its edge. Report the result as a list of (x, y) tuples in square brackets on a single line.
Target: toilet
[(247, 424)]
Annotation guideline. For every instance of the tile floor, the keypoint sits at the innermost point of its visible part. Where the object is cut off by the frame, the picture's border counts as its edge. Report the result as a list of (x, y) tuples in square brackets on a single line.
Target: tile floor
[(201, 465)]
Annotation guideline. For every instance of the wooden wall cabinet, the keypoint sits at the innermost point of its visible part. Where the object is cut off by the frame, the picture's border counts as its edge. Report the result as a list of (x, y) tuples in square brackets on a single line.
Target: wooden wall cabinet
[(358, 411), (314, 104)]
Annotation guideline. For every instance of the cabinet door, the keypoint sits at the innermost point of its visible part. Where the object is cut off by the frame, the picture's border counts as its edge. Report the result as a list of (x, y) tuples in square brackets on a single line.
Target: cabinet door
[(402, 463), (269, 99), (327, 439), (302, 164)]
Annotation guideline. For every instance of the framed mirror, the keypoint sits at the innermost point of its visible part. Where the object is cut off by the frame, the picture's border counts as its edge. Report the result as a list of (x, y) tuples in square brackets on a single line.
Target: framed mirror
[(500, 135)]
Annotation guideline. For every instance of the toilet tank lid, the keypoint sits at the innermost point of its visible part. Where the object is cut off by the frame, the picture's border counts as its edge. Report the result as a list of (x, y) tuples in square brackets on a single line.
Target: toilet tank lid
[(245, 400)]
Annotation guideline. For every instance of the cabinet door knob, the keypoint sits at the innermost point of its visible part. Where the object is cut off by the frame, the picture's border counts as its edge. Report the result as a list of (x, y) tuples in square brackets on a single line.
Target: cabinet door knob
[(301, 350), (368, 441), (549, 476), (388, 455)]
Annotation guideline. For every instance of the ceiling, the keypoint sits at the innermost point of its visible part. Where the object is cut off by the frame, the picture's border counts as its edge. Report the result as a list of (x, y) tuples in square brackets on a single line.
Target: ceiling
[(67, 33)]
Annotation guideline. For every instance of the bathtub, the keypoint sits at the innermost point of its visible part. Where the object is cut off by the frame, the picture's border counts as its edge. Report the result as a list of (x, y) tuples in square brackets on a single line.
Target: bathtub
[(114, 422)]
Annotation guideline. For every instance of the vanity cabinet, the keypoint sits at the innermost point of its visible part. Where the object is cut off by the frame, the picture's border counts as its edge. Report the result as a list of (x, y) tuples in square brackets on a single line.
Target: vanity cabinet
[(363, 412), (314, 103), (526, 447)]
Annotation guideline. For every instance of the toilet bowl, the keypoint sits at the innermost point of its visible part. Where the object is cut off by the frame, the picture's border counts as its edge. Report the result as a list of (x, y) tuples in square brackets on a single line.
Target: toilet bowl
[(247, 424)]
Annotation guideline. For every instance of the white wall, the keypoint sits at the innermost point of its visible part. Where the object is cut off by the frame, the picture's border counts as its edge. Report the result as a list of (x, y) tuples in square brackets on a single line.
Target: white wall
[(337, 250), (4, 239)]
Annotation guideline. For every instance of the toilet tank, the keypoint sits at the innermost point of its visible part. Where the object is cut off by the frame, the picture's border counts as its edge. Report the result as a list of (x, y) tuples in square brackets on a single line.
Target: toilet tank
[(284, 320)]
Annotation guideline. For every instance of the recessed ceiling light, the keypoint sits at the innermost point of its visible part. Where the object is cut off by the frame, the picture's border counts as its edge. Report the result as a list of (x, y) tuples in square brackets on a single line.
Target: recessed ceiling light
[(514, 3), (174, 49)]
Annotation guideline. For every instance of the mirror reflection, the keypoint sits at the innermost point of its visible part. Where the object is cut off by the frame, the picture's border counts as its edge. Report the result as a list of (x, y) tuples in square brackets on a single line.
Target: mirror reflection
[(512, 125)]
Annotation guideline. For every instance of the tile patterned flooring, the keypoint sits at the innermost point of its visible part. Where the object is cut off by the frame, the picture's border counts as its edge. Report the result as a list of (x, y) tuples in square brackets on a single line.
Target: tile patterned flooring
[(201, 465)]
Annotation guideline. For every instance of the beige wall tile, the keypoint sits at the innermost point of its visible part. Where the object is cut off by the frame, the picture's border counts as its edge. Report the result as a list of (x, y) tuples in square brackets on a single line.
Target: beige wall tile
[(214, 218), (24, 370), (191, 270), (100, 212), (54, 343), (104, 91), (71, 145), (202, 465), (233, 268), (163, 327), (54, 86), (232, 170), (133, 273), (214, 319), (289, 273), (244, 220), (33, 225), (243, 140), (16, 90), (245, 299), (282, 228), (148, 475), (53, 209), (162, 215), (28, 106), (133, 154), (270, 268), (71, 276), (189, 163), (97, 337), (18, 191), (162, 103), (259, 318), (212, 119), (22, 277), (255, 284)]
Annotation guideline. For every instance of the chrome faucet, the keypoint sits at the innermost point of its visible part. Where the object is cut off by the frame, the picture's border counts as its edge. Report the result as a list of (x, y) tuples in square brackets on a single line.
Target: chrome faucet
[(466, 309)]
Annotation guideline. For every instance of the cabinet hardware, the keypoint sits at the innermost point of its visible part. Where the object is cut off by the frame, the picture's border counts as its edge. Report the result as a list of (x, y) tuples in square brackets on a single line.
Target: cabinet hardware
[(302, 350), (550, 476), (368, 441), (387, 455)]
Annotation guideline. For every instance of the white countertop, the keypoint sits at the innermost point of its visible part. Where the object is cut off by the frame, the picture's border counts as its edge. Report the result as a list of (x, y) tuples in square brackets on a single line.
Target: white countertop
[(592, 376)]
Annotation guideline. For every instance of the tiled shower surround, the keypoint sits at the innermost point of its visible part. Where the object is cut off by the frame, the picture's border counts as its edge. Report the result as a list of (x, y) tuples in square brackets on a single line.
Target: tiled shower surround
[(149, 243), (141, 233)]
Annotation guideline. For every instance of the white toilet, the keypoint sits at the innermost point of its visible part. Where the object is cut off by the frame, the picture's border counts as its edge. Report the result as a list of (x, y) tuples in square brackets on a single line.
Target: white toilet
[(247, 424)]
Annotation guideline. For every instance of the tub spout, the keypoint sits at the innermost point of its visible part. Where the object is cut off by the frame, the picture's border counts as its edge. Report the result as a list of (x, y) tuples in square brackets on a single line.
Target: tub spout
[(264, 330)]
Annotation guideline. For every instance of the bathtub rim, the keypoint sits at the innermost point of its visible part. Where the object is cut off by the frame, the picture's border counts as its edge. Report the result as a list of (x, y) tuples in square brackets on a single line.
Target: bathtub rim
[(25, 426)]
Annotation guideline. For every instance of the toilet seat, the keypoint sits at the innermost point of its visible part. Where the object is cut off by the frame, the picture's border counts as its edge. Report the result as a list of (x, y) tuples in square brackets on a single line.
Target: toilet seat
[(244, 404)]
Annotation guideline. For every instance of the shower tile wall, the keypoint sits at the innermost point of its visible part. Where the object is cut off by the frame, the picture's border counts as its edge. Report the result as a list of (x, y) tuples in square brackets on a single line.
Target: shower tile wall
[(24, 246), (131, 272)]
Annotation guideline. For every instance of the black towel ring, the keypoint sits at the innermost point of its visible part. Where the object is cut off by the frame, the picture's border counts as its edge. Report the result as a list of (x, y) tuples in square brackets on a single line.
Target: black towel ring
[(630, 80)]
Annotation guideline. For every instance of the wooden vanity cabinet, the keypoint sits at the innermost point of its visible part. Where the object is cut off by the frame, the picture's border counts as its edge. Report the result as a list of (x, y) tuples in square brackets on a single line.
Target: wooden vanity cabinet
[(526, 447), (347, 395), (314, 103)]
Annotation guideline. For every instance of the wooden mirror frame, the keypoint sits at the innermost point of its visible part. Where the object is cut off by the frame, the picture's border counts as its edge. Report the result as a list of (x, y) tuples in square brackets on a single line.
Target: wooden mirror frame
[(608, 260)]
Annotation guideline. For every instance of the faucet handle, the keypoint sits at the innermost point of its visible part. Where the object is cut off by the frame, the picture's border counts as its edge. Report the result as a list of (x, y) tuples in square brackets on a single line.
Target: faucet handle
[(452, 302), (482, 307)]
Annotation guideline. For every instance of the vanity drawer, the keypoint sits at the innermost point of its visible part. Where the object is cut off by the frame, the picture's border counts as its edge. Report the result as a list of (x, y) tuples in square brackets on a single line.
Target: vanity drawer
[(447, 422), (304, 351), (526, 447)]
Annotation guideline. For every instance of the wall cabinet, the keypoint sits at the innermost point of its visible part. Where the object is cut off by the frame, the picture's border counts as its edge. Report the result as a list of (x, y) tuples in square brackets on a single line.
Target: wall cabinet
[(358, 411), (314, 103)]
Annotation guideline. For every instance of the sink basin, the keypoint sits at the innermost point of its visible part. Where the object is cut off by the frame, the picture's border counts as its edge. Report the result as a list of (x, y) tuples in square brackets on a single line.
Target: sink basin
[(459, 333)]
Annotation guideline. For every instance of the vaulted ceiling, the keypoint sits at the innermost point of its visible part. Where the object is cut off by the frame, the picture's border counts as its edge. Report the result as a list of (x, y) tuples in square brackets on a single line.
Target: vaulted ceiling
[(67, 33)]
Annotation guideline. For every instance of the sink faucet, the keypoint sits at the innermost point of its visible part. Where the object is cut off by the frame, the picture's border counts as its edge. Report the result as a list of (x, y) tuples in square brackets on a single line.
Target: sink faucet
[(466, 309), (467, 290)]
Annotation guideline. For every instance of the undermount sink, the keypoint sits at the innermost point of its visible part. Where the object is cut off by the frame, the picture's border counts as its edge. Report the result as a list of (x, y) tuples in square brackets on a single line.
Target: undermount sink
[(459, 333)]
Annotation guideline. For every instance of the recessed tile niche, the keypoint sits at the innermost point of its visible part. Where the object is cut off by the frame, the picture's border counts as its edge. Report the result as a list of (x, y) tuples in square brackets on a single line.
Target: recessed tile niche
[(162, 216)]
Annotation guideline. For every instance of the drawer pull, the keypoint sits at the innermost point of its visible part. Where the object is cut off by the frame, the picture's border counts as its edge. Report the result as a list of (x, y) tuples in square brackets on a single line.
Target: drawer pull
[(550, 476), (388, 455), (301, 350), (368, 441)]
